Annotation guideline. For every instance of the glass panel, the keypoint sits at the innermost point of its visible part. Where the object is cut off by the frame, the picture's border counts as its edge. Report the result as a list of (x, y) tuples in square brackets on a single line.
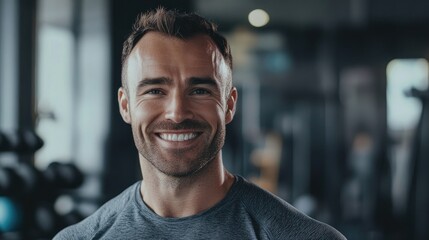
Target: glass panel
[(55, 94), (403, 74), (8, 73), (8, 66), (403, 114), (72, 86)]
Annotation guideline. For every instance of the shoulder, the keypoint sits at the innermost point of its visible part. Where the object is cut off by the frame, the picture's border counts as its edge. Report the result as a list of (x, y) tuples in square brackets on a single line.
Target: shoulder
[(101, 219), (279, 219)]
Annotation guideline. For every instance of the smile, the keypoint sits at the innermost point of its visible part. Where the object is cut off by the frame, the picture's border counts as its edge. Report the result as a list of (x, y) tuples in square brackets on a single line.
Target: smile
[(177, 137)]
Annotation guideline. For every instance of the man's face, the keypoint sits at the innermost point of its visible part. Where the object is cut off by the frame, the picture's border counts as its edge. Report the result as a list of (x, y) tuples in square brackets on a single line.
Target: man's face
[(177, 102)]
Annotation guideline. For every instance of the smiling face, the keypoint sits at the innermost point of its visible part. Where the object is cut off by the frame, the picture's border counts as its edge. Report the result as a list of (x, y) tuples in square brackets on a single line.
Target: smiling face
[(177, 102)]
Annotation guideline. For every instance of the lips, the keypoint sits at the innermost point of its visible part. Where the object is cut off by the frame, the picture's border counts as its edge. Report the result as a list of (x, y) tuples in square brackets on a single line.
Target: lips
[(177, 137)]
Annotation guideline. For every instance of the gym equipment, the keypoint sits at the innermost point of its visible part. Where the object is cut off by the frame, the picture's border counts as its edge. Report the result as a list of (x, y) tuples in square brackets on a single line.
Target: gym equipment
[(30, 141), (63, 175), (21, 180), (46, 220), (30, 176), (10, 215), (4, 143), (21, 142), (10, 182), (27, 195), (24, 179)]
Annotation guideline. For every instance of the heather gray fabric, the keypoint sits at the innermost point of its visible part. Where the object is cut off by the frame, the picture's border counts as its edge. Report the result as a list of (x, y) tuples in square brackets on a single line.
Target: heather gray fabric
[(247, 212)]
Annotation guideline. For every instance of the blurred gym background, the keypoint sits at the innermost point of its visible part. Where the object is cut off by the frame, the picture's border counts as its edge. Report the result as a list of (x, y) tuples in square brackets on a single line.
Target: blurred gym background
[(332, 112)]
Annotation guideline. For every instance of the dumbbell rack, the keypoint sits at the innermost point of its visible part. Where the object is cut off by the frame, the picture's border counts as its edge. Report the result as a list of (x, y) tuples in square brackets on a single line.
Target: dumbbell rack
[(27, 194)]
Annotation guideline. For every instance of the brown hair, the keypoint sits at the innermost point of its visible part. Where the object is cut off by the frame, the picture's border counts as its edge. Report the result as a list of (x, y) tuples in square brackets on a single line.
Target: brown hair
[(175, 24)]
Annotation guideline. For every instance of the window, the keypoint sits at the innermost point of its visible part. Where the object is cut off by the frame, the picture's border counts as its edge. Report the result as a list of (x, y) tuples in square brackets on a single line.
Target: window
[(72, 85), (403, 114)]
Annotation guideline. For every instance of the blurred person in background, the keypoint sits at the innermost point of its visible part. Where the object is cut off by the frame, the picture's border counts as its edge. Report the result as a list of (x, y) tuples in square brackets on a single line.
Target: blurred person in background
[(177, 95)]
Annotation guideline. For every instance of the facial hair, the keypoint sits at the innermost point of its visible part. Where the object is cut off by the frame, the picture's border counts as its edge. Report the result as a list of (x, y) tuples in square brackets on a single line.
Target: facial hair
[(181, 165)]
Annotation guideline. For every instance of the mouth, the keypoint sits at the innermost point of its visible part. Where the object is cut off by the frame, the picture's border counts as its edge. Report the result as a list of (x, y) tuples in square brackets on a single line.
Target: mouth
[(178, 137)]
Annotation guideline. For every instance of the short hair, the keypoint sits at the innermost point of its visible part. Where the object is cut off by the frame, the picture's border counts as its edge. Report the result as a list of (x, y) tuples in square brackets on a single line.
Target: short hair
[(175, 24)]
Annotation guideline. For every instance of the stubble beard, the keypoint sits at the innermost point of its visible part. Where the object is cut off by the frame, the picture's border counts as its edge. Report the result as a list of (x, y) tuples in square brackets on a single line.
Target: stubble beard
[(176, 164)]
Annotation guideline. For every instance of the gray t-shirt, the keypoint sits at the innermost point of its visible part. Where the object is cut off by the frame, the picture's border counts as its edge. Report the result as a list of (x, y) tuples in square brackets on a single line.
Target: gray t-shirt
[(247, 212)]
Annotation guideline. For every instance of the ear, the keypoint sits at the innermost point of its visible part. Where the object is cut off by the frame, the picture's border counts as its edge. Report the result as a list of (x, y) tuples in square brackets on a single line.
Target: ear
[(231, 104), (124, 106)]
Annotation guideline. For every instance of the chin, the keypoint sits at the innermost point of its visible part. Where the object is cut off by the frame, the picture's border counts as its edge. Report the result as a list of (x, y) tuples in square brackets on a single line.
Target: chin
[(184, 171)]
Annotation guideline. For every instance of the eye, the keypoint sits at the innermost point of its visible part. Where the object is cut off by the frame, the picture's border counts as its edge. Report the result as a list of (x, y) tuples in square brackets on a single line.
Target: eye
[(154, 92), (199, 91)]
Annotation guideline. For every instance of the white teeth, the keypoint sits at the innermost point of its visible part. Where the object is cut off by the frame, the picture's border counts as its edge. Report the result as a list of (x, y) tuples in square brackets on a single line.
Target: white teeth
[(177, 137), (180, 138)]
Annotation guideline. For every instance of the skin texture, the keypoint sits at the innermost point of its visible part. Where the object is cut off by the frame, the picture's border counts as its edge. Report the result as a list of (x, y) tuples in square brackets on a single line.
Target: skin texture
[(177, 89)]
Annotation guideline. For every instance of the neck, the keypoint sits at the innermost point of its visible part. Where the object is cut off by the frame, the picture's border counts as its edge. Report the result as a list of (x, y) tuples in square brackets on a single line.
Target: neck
[(177, 197)]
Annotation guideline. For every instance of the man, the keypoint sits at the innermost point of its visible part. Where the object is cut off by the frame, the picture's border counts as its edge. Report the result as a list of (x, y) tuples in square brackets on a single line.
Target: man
[(177, 95)]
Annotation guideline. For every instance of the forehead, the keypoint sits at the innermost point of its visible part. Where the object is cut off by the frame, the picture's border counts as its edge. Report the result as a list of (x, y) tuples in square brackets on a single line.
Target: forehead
[(155, 44), (157, 55)]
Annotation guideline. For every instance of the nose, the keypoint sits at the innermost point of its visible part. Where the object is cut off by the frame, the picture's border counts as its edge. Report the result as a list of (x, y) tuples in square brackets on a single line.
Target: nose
[(178, 109)]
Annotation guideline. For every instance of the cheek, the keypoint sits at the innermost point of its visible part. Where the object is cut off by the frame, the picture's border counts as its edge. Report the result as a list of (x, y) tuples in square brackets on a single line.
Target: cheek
[(142, 114), (213, 114)]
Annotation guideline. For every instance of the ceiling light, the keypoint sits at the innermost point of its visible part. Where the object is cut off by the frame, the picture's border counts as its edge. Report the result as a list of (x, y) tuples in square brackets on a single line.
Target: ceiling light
[(258, 18)]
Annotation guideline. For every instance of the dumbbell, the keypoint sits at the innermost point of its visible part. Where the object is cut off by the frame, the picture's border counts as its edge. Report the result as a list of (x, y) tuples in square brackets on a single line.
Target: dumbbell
[(10, 182), (31, 177), (24, 179), (21, 141), (4, 143), (10, 215), (29, 141), (20, 180), (46, 221), (63, 175)]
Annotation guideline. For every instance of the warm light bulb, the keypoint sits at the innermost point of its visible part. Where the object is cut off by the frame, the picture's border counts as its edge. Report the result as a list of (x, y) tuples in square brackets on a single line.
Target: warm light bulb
[(258, 18)]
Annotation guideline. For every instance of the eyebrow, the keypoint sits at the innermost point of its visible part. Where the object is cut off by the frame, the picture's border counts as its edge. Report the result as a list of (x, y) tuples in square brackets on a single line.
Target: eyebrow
[(154, 81), (167, 81), (203, 80)]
